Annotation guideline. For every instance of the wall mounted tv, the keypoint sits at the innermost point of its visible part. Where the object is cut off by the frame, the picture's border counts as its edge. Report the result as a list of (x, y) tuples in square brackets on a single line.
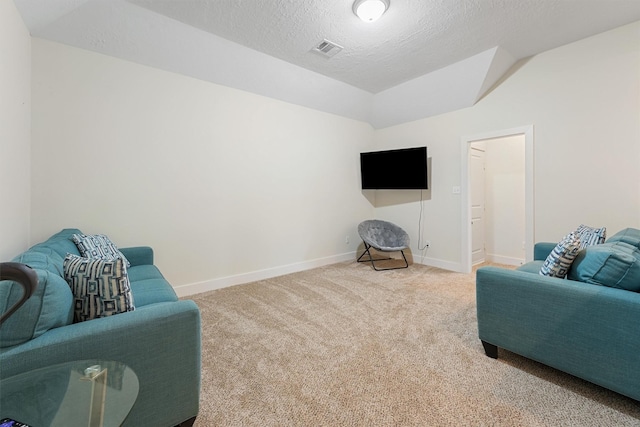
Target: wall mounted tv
[(404, 169)]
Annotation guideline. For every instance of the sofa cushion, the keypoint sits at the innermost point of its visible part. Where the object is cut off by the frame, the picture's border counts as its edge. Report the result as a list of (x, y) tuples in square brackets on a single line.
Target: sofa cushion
[(49, 307), (531, 267), (590, 235), (97, 246), (149, 286), (559, 260), (61, 243), (152, 291), (100, 287), (44, 257), (630, 236), (142, 272), (614, 264)]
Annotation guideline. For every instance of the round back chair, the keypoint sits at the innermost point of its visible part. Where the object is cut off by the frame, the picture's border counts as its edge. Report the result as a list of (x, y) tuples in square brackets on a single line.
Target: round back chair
[(382, 236)]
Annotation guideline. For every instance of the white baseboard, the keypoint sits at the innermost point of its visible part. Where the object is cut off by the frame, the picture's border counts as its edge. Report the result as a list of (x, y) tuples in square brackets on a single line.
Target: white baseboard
[(431, 262), (500, 259), (439, 263), (223, 282)]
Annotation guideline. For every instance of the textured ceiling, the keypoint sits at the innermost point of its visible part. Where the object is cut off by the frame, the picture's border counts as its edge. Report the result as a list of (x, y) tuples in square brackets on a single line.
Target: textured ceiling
[(421, 59), (412, 39)]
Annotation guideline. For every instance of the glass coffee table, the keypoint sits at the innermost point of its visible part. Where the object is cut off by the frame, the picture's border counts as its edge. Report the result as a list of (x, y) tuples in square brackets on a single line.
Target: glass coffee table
[(92, 393)]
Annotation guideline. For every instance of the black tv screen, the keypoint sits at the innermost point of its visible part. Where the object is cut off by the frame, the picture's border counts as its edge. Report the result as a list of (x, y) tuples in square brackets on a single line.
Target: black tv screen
[(404, 169)]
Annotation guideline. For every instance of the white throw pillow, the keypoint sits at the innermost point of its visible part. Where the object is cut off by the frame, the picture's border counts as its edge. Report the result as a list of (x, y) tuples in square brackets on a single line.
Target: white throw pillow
[(590, 235), (100, 287), (97, 246)]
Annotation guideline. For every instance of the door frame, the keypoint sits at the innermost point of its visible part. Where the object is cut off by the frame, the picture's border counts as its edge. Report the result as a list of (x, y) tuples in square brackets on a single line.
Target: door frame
[(465, 194), (472, 190)]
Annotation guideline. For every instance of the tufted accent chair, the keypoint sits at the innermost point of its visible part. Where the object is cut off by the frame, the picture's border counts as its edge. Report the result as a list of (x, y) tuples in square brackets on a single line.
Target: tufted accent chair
[(382, 236)]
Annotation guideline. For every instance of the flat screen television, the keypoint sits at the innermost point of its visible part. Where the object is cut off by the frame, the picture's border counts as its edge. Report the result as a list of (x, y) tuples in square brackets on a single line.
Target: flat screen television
[(404, 169)]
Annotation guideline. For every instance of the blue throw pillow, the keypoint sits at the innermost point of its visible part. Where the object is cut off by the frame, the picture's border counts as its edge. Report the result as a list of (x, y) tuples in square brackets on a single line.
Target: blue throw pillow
[(628, 235), (49, 307), (616, 265)]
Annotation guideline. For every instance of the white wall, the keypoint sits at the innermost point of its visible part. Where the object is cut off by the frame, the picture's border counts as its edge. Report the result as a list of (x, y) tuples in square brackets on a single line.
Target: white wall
[(181, 181), (583, 100), (15, 132), (505, 200), (225, 185)]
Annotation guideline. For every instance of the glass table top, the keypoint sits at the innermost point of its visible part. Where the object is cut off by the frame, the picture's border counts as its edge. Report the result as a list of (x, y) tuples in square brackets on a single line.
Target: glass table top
[(81, 393)]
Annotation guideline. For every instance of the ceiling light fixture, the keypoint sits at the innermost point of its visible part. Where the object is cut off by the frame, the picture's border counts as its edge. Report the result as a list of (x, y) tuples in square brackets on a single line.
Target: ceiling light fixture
[(370, 10)]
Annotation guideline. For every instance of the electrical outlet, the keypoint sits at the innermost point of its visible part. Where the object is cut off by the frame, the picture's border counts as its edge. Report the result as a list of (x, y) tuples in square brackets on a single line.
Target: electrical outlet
[(346, 240), (427, 244)]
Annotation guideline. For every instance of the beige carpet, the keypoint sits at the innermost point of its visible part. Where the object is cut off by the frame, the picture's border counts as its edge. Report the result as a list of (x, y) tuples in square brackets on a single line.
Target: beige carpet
[(344, 345)]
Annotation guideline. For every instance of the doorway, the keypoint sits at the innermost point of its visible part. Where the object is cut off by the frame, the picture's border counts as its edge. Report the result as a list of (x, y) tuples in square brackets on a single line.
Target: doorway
[(480, 240), (477, 199)]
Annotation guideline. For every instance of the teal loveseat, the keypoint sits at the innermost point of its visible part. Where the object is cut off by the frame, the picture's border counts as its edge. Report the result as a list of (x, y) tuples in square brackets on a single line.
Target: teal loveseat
[(585, 325), (159, 340)]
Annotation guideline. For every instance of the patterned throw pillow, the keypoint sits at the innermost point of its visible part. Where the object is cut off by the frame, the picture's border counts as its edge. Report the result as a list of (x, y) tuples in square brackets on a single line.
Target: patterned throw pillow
[(559, 260), (97, 246), (591, 236), (100, 287)]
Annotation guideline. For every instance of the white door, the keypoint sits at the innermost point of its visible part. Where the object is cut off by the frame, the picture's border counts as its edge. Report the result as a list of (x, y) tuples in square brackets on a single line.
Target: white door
[(477, 191)]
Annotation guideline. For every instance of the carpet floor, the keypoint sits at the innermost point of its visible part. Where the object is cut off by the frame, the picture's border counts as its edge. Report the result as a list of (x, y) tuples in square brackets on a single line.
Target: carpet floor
[(344, 345)]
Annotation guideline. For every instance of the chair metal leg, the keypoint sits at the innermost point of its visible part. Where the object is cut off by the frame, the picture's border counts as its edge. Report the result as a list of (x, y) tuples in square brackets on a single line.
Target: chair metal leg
[(367, 252), (372, 260)]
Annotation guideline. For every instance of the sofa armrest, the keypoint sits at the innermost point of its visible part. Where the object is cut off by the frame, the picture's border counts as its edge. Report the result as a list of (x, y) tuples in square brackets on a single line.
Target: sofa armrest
[(159, 342), (586, 330), (138, 255), (541, 250)]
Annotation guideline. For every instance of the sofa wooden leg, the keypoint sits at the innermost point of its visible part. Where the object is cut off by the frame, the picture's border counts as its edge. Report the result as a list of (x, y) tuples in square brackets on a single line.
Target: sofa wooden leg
[(490, 350), (187, 423)]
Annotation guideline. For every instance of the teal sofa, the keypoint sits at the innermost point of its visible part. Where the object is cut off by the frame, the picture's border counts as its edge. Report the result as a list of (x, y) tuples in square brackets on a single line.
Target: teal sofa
[(159, 340), (585, 325)]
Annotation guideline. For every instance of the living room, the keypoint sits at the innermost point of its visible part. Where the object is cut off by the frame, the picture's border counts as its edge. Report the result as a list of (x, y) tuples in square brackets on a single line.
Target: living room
[(223, 172), (229, 186)]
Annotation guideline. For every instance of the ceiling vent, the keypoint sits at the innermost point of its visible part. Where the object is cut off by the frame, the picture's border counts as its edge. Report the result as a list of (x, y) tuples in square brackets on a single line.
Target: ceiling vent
[(327, 48)]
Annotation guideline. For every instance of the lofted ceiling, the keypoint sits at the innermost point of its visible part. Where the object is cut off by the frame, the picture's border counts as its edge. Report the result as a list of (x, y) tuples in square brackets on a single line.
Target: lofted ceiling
[(413, 40)]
